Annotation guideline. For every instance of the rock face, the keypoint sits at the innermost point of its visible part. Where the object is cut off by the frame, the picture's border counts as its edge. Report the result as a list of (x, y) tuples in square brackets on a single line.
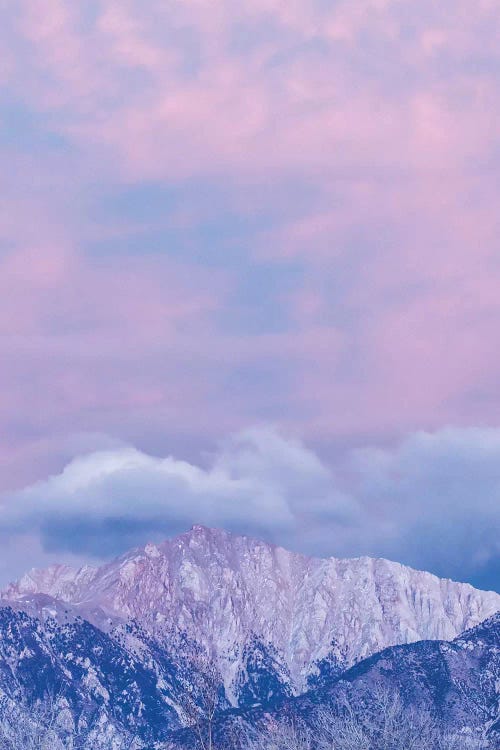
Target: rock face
[(88, 671), (455, 684), (275, 622), (458, 681)]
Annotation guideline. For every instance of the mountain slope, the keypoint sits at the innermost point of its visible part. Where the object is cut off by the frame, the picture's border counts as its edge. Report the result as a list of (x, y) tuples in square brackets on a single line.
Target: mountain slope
[(88, 670), (275, 621), (135, 688), (455, 685), (458, 681)]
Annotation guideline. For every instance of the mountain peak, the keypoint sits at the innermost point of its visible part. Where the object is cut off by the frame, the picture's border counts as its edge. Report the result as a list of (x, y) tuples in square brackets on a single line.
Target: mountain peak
[(198, 528)]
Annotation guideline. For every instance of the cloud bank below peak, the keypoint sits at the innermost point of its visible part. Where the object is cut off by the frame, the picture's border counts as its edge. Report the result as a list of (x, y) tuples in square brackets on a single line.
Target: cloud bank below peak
[(431, 501)]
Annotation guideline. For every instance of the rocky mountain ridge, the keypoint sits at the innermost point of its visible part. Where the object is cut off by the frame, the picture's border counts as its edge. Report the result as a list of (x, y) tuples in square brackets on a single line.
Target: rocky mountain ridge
[(245, 601)]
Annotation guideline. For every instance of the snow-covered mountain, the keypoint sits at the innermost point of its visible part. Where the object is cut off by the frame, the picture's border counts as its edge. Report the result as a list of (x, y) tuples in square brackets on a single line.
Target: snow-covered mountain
[(274, 621), (109, 688), (457, 680), (457, 683), (89, 674)]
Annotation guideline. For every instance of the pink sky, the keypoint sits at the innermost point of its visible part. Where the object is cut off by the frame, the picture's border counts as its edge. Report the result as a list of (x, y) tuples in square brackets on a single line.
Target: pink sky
[(216, 214)]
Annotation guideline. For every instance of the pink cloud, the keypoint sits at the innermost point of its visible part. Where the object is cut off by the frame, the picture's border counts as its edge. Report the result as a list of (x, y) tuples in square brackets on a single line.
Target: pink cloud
[(389, 112), (251, 114)]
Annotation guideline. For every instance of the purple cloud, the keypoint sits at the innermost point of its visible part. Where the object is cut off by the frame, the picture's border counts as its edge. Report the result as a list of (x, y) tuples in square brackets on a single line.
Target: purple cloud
[(214, 214), (431, 501)]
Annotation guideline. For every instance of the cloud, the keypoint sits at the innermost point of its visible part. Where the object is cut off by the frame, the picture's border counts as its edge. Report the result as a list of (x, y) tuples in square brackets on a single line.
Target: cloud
[(213, 214), (299, 89), (106, 499), (437, 498), (432, 501)]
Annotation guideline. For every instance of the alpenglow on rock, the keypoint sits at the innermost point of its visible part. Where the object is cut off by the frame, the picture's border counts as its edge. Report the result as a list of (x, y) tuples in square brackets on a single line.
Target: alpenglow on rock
[(249, 602)]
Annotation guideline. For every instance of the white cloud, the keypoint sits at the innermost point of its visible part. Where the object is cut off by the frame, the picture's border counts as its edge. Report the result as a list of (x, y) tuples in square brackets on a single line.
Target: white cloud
[(258, 481), (433, 501)]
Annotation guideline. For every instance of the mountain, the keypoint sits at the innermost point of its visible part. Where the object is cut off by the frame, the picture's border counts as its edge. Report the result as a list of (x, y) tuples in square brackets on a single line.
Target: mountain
[(133, 648), (112, 688), (128, 681), (457, 681), (92, 672), (275, 622), (437, 689)]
